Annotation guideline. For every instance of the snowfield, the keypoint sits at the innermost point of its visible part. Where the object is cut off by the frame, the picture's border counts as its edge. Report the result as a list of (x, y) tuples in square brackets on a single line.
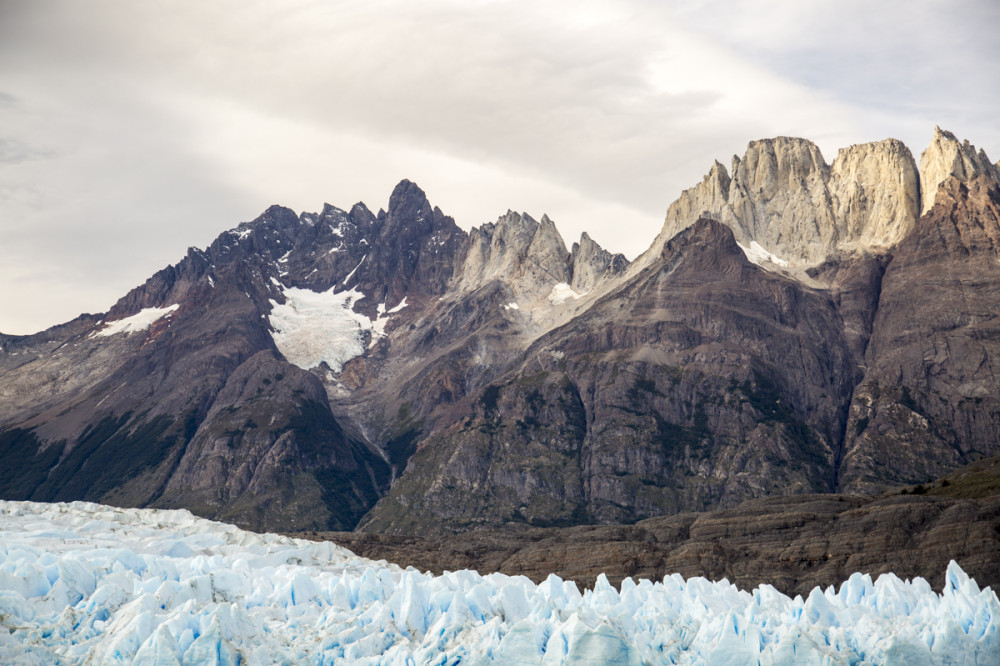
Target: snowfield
[(140, 321), (84, 583)]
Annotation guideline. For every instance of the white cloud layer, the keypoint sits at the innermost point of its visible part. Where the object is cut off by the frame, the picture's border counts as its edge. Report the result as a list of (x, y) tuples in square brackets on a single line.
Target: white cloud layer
[(129, 131)]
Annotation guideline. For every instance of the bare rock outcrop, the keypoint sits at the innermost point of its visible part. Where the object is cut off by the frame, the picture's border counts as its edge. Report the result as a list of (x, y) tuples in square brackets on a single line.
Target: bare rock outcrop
[(783, 196), (791, 542), (946, 157), (590, 264), (875, 189), (528, 256), (779, 198)]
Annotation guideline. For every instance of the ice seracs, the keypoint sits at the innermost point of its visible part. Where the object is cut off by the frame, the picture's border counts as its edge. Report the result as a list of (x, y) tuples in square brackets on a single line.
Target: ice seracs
[(84, 583)]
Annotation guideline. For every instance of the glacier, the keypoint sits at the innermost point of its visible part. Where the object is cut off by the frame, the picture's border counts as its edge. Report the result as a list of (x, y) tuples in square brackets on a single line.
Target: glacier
[(86, 583)]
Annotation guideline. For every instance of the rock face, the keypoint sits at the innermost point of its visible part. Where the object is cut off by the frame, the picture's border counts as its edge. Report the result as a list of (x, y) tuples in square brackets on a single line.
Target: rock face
[(591, 265), (783, 196), (875, 189), (794, 329), (929, 398), (530, 257)]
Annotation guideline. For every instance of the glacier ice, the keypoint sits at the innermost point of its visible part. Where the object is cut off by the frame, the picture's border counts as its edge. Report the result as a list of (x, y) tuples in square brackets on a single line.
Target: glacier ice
[(312, 327), (315, 327), (85, 583)]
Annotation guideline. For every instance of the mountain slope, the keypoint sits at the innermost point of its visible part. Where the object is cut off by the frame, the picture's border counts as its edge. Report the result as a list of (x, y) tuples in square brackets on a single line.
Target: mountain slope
[(703, 381)]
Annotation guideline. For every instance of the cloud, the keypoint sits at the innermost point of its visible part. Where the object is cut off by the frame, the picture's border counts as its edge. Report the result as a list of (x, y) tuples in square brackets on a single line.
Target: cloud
[(132, 130), (907, 64)]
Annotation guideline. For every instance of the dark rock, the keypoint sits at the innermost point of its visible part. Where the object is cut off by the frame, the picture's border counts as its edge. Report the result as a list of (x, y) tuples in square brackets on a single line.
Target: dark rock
[(930, 398), (791, 542), (702, 382)]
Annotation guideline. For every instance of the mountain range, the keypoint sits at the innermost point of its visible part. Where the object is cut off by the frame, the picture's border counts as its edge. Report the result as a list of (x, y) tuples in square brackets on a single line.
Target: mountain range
[(796, 328)]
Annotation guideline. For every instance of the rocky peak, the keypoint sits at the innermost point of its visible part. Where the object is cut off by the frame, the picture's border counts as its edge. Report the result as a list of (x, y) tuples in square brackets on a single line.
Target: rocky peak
[(775, 165), (407, 201), (876, 192), (778, 197), (528, 256), (512, 233), (590, 263), (706, 245), (415, 251), (706, 199), (271, 234), (783, 196), (548, 252), (947, 156)]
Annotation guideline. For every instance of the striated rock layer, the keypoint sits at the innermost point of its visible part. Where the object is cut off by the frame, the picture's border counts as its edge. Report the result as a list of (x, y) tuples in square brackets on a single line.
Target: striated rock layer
[(792, 542)]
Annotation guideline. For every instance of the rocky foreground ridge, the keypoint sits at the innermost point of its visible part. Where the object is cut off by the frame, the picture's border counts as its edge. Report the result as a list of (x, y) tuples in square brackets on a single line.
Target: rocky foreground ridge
[(793, 542), (796, 328)]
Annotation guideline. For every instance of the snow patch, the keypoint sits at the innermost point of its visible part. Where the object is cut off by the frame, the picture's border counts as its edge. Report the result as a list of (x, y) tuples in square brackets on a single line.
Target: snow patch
[(561, 293), (511, 306), (402, 304), (378, 326), (85, 583), (351, 274), (140, 321), (758, 255)]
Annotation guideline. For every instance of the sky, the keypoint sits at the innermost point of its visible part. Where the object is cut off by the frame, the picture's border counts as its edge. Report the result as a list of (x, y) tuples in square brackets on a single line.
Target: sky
[(130, 131)]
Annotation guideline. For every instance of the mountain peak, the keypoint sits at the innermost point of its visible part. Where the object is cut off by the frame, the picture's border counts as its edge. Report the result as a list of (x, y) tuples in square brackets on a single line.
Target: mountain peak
[(875, 190), (947, 156), (406, 198), (590, 263), (782, 195), (705, 232)]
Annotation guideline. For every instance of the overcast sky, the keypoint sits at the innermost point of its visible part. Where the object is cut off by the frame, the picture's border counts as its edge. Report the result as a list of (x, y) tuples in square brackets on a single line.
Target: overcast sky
[(132, 130)]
